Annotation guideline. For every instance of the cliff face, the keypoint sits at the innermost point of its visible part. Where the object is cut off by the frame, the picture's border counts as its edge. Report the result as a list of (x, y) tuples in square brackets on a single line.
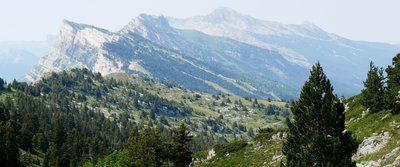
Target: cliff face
[(77, 45)]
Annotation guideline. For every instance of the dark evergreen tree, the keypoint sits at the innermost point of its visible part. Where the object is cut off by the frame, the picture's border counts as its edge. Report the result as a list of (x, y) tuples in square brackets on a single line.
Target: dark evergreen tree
[(46, 160), (317, 136), (146, 149), (182, 154), (29, 129), (58, 156), (3, 153), (2, 82), (374, 89), (393, 85), (11, 146), (250, 132), (74, 150), (3, 113)]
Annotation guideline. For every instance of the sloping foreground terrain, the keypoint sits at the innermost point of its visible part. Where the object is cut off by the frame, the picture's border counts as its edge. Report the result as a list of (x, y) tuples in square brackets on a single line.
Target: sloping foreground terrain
[(378, 135)]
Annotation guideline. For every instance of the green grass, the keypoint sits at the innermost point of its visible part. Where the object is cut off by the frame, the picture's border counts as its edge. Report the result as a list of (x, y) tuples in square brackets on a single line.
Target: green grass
[(363, 127), (201, 105), (248, 156)]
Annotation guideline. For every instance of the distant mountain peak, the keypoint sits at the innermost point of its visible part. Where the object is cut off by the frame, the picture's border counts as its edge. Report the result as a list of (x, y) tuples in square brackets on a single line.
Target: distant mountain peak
[(77, 26), (74, 25), (225, 11), (222, 14), (155, 28), (159, 20), (311, 26), (146, 24)]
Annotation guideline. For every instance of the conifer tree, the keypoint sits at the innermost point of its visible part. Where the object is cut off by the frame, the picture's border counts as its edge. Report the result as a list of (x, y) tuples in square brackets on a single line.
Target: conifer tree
[(393, 85), (73, 148), (182, 154), (317, 136), (146, 149), (11, 146), (2, 82), (374, 89), (3, 157), (57, 153)]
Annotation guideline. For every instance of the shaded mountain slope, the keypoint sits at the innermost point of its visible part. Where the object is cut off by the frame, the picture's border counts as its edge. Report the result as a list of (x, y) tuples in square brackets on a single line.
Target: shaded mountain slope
[(346, 61)]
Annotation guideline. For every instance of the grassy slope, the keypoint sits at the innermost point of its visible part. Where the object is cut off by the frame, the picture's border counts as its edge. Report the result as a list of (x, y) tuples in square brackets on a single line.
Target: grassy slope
[(253, 119), (361, 127), (250, 156)]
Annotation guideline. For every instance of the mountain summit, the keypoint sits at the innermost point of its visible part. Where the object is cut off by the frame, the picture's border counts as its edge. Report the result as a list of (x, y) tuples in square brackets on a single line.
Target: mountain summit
[(223, 14)]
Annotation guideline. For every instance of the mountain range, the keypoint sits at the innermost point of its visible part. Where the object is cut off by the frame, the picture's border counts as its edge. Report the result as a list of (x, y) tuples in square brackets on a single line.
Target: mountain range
[(346, 61), (225, 52)]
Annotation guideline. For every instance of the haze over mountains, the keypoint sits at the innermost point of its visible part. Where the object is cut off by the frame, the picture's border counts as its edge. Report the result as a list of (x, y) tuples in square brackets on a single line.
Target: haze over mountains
[(18, 57), (224, 51)]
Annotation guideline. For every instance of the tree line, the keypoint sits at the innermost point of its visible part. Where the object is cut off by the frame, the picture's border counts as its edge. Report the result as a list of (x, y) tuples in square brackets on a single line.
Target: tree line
[(382, 92)]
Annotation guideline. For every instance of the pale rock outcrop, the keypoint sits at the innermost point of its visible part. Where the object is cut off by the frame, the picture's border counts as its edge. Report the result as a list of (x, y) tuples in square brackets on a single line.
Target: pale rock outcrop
[(383, 159), (77, 46), (372, 144), (279, 136), (395, 163)]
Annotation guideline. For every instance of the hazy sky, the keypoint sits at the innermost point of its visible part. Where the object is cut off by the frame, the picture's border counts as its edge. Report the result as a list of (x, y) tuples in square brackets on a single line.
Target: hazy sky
[(372, 20)]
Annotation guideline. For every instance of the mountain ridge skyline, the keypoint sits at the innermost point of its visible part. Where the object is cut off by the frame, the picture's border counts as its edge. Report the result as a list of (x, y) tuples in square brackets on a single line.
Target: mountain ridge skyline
[(350, 22), (196, 43)]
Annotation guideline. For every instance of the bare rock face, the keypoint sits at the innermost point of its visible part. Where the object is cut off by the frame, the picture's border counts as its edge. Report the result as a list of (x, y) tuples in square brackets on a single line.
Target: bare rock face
[(372, 144), (395, 163), (381, 160), (211, 154), (77, 46), (369, 164), (279, 136)]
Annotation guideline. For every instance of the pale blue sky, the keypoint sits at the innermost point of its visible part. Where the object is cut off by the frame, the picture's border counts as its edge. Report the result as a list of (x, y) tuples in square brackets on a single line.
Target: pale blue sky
[(372, 20)]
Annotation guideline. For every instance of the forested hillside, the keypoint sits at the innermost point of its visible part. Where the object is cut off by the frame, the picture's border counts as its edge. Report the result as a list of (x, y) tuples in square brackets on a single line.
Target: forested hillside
[(75, 117)]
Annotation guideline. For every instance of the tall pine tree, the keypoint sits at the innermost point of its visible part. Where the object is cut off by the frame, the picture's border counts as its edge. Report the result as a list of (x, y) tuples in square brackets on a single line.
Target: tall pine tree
[(58, 156), (393, 85), (146, 149), (2, 82), (10, 153), (317, 135), (182, 155), (374, 89)]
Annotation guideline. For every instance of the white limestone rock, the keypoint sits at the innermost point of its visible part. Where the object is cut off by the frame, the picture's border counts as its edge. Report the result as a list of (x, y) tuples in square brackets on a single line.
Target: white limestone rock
[(372, 144)]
